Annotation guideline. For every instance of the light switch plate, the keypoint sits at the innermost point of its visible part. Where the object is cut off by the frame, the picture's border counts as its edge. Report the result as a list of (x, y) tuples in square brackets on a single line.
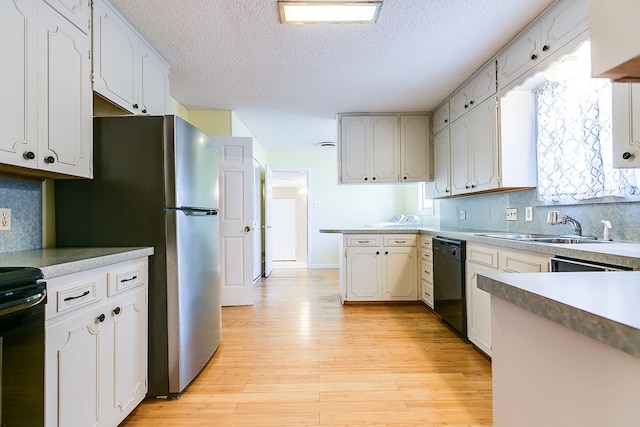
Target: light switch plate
[(528, 213), (512, 214), (5, 219), (463, 215)]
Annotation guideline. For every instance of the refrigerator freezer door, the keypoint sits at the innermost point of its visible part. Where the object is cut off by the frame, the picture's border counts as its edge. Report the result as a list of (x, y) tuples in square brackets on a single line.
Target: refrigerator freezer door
[(191, 166)]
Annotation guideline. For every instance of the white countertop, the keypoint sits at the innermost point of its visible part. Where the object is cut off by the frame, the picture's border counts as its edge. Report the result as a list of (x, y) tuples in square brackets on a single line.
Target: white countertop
[(61, 261), (601, 305)]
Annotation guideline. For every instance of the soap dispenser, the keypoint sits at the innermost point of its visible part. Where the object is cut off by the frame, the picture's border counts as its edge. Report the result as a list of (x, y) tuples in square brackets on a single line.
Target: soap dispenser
[(607, 229)]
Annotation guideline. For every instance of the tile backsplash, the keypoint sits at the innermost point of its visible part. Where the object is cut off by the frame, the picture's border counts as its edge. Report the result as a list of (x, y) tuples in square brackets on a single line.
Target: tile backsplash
[(488, 212), (24, 198)]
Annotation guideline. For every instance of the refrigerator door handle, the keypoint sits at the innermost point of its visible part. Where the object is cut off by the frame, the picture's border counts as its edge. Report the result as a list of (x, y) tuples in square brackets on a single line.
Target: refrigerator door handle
[(193, 211)]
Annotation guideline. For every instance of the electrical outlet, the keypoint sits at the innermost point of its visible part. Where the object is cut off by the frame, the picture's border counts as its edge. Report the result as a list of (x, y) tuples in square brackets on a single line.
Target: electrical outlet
[(463, 215), (512, 214), (5, 219), (528, 213)]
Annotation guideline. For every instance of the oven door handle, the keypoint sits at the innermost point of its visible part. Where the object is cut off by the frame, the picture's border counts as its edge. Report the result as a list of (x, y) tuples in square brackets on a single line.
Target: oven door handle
[(22, 304)]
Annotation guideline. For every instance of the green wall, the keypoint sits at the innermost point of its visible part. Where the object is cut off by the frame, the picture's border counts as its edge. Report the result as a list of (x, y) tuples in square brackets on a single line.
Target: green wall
[(336, 206)]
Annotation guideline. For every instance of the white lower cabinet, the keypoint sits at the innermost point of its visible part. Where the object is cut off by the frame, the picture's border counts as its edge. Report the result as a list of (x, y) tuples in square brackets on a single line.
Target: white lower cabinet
[(426, 270), (96, 345), (380, 267), (486, 259)]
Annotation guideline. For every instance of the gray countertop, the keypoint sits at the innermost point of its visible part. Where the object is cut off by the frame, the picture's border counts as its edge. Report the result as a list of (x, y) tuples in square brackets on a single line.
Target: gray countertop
[(601, 305), (61, 261), (625, 254)]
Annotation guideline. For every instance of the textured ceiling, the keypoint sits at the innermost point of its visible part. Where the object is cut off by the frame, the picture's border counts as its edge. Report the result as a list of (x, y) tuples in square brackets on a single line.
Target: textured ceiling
[(288, 82)]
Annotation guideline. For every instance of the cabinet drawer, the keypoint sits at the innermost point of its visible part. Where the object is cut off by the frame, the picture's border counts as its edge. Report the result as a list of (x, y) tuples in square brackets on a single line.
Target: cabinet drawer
[(514, 264), (126, 278), (427, 293), (364, 240), (427, 271), (483, 256), (426, 256), (76, 294), (400, 240), (426, 243)]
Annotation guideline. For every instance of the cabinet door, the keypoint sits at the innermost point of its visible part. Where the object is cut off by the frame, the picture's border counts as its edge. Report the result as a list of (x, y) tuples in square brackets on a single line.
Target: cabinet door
[(354, 137), (483, 134), (76, 355), (441, 118), (363, 274), (76, 11), (563, 23), (385, 149), (519, 57), (18, 82), (415, 149), (129, 326), (154, 84), (614, 54), (458, 104), (483, 85), (115, 61), (478, 309), (626, 125), (460, 156), (400, 282), (65, 109), (441, 164)]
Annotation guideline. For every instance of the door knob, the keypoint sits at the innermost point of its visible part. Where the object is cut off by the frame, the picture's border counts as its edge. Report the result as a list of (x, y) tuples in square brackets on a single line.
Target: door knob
[(247, 229)]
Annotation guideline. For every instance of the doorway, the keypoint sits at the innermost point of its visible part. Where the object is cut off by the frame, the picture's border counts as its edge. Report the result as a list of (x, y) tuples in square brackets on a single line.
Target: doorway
[(289, 224)]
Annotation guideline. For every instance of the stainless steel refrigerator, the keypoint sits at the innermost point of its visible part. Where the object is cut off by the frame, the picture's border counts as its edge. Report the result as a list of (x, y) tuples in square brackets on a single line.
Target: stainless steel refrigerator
[(156, 184)]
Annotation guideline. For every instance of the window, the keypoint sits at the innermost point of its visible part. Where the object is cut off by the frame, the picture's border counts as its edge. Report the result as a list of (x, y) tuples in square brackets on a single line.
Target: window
[(425, 204), (574, 142)]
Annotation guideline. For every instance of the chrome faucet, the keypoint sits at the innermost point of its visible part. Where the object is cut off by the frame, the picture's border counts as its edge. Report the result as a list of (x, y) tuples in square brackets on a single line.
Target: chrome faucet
[(555, 218)]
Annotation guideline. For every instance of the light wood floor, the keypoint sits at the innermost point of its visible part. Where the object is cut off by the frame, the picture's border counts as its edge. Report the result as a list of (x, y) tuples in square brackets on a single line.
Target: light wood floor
[(299, 358)]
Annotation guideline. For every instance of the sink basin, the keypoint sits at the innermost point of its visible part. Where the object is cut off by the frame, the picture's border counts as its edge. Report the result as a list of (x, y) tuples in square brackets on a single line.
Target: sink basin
[(544, 238)]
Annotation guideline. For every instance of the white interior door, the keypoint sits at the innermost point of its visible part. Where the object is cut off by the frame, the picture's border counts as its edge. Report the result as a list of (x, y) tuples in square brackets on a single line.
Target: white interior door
[(257, 221), (268, 215), (284, 230), (235, 159)]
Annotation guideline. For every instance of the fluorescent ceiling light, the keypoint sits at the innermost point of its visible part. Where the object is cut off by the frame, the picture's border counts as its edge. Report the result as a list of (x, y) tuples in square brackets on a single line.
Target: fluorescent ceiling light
[(297, 12)]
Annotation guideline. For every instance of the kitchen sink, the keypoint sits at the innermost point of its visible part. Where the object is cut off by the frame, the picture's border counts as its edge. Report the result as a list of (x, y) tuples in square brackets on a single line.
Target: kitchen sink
[(544, 238)]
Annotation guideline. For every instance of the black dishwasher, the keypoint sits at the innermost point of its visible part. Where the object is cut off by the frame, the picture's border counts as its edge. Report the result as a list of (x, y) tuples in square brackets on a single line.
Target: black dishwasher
[(449, 296)]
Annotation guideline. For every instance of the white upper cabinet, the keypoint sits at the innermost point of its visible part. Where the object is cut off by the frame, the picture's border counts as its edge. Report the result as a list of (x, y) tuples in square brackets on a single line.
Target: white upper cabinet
[(369, 149), (615, 41), (474, 150), (65, 102), (561, 24), (626, 125), (441, 117), (415, 151), (76, 11), (46, 85), (383, 148), (18, 82), (127, 71), (480, 87), (441, 185)]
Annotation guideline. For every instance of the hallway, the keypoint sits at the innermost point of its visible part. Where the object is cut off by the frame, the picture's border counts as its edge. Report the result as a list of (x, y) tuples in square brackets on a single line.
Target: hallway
[(299, 358)]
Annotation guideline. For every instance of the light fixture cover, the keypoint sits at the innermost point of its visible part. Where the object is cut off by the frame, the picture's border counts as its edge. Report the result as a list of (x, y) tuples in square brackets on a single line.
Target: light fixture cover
[(339, 12)]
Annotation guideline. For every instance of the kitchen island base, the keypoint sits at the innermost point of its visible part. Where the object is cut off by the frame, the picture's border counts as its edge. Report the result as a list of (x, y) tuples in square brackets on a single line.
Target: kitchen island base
[(545, 374)]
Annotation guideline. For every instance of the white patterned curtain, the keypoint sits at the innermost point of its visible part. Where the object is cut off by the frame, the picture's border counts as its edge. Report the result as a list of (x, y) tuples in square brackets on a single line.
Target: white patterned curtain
[(575, 143)]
